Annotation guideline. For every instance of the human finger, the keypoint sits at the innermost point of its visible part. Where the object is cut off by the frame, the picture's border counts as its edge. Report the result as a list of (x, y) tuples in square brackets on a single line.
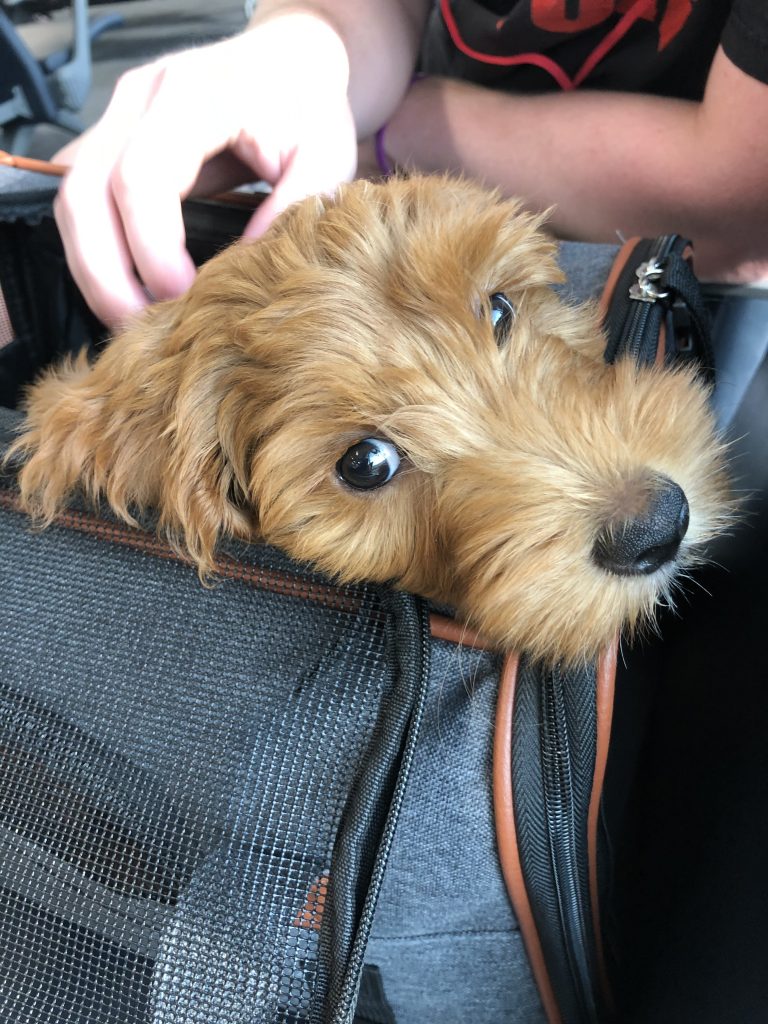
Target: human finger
[(100, 262), (90, 227), (319, 166)]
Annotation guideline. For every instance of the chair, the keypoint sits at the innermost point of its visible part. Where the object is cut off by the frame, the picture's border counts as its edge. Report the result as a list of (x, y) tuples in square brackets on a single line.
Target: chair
[(49, 88)]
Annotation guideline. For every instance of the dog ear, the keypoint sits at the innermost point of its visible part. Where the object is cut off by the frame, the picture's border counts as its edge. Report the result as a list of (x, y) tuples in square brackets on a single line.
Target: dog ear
[(139, 429)]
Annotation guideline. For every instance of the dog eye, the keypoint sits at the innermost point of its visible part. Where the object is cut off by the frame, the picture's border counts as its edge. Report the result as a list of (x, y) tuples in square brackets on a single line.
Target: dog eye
[(370, 463), (502, 315)]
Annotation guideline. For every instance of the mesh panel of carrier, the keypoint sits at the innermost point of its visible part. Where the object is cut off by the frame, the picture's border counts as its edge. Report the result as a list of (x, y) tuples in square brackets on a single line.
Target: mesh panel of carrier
[(197, 786)]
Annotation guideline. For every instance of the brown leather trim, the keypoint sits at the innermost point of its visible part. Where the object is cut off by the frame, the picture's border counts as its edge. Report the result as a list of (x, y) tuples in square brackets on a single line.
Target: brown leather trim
[(661, 346), (285, 583), (604, 696), (618, 265), (443, 628), (506, 836)]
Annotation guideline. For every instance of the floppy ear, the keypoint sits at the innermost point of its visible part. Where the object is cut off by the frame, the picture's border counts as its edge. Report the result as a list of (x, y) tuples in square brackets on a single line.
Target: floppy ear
[(139, 428)]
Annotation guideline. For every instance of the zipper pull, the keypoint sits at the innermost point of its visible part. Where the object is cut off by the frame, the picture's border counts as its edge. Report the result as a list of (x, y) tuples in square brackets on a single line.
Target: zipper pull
[(646, 288)]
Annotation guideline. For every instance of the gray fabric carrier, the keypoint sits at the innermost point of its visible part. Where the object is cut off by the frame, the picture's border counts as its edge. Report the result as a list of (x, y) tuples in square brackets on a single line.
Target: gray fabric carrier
[(199, 789), (183, 769)]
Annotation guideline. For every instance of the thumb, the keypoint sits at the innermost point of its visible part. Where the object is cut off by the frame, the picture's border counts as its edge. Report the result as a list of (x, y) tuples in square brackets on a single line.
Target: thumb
[(303, 176)]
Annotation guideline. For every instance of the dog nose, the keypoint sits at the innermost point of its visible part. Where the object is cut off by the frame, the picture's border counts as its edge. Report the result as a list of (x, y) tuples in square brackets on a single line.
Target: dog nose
[(647, 541)]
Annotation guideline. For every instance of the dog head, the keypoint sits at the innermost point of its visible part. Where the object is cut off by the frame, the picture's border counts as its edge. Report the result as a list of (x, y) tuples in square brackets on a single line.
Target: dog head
[(387, 386)]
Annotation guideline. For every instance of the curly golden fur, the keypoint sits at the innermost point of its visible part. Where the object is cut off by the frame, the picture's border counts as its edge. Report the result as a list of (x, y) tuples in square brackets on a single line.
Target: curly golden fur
[(367, 315)]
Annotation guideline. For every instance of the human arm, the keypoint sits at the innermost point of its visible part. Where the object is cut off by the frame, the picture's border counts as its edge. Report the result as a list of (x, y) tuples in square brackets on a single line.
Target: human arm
[(283, 101), (611, 162)]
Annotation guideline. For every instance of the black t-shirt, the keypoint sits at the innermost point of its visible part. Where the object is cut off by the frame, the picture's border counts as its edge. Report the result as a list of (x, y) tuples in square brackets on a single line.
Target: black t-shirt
[(661, 47)]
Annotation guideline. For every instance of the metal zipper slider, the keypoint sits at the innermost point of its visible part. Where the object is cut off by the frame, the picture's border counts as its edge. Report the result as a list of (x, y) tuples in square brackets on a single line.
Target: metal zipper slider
[(646, 289)]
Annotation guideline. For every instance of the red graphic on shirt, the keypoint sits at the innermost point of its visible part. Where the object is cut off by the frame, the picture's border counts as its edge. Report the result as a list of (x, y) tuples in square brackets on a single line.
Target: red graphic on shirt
[(560, 16), (578, 15)]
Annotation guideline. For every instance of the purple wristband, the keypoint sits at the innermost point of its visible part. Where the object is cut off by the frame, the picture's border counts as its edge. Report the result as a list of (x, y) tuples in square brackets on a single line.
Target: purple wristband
[(382, 159)]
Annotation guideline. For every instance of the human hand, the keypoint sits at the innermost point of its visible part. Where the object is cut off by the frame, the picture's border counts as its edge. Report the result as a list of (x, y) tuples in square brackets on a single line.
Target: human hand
[(269, 104)]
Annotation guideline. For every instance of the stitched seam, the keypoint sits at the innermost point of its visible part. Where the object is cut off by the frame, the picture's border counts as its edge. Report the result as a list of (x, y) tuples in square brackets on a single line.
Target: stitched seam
[(446, 934)]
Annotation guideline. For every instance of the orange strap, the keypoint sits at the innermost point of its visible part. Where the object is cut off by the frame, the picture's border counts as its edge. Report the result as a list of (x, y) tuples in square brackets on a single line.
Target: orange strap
[(25, 163)]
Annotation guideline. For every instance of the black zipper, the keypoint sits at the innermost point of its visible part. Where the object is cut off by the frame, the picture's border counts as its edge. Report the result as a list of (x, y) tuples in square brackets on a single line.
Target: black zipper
[(563, 837), (555, 714), (636, 312), (413, 640), (637, 342), (637, 306)]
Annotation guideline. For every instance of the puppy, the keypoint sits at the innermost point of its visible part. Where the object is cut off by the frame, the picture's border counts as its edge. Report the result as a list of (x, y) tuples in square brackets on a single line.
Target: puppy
[(386, 386)]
